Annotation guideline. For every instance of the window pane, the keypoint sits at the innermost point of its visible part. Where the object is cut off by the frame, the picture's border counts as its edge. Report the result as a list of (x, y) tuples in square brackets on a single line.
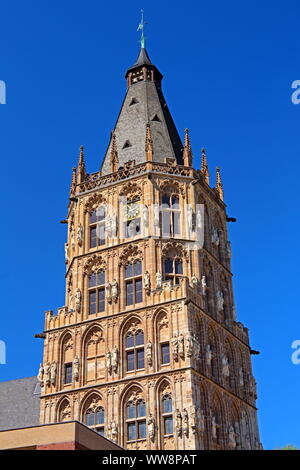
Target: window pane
[(92, 280), (178, 267), (100, 416), (90, 419), (167, 405), (101, 278), (142, 430), (93, 237), (131, 411), (101, 233), (165, 353), (130, 341), (93, 218), (129, 293), (176, 223), (100, 213), (166, 223), (101, 300), (137, 268), (92, 302), (130, 361), (100, 431), (166, 200), (168, 425), (139, 338), (168, 266), (175, 202), (141, 409), (138, 291), (131, 431), (68, 373), (128, 270), (140, 358)]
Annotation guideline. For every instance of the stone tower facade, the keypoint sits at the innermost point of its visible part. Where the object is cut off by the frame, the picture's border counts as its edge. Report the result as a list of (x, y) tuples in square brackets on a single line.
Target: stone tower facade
[(147, 349)]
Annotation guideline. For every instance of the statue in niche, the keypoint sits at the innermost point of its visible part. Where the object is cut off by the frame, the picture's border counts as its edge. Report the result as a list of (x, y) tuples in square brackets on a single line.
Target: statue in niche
[(175, 346), (149, 353), (220, 300), (185, 422), (146, 281), (80, 235), (181, 345), (40, 375), (151, 427), (225, 366), (72, 237), (76, 364), (214, 428), (193, 419), (158, 280), (178, 423), (208, 355), (66, 253), (215, 236), (114, 431), (108, 292), (47, 374), (114, 290), (77, 296), (114, 359), (194, 280), (53, 369), (203, 285), (189, 345), (108, 362), (241, 377), (232, 443)]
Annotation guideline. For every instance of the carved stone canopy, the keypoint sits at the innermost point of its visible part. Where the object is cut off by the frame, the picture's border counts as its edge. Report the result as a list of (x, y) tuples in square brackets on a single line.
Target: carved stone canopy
[(94, 202), (94, 264), (131, 191), (174, 250), (130, 254), (171, 187)]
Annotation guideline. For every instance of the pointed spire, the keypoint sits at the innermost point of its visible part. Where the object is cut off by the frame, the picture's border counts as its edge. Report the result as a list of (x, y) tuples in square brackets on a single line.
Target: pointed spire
[(74, 181), (149, 144), (219, 186), (81, 165), (187, 150), (114, 160), (204, 166)]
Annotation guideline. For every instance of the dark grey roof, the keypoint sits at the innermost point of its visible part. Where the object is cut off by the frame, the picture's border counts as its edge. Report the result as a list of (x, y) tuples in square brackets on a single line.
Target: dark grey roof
[(144, 103), (19, 403)]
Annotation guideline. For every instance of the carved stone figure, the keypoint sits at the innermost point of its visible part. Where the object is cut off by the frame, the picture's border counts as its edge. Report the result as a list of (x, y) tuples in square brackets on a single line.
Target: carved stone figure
[(108, 292), (241, 377), (80, 235), (203, 285), (47, 374), (72, 237), (158, 280), (114, 359), (220, 300), (252, 384), (194, 280), (178, 423), (108, 362), (66, 253), (114, 431), (189, 345), (193, 419), (215, 236), (114, 290), (225, 366), (76, 364), (185, 422), (199, 218), (201, 420), (175, 346), (77, 296), (40, 375), (151, 427), (71, 302), (232, 443), (208, 355), (181, 345), (149, 353), (214, 427), (53, 368), (146, 280)]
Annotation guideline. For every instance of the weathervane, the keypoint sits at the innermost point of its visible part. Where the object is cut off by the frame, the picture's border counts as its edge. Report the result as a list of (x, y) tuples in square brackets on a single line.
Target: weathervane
[(141, 28)]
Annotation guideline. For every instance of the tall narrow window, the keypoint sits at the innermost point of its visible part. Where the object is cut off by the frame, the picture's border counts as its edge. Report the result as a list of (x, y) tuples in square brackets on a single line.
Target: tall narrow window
[(96, 291), (133, 283), (136, 420), (97, 227), (165, 353), (134, 345), (167, 414), (94, 418), (173, 270), (68, 374), (170, 216)]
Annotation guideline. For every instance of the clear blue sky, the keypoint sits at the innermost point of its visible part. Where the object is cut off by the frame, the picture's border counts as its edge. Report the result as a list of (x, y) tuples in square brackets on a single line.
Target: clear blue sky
[(228, 68)]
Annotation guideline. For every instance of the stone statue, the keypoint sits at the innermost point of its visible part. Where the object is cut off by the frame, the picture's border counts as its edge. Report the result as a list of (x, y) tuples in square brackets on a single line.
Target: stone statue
[(201, 420), (214, 427), (228, 250), (215, 236), (114, 290), (252, 384), (232, 438), (80, 235), (225, 366), (47, 374), (40, 375), (178, 422), (194, 280), (114, 359), (158, 280), (220, 300), (181, 345), (209, 355), (193, 419), (189, 345), (146, 281), (199, 217), (76, 364), (151, 427), (196, 345), (185, 422), (77, 296), (66, 253), (175, 347), (108, 292), (72, 237), (149, 353), (108, 226), (71, 302), (53, 369), (203, 285), (108, 362), (114, 431), (241, 377)]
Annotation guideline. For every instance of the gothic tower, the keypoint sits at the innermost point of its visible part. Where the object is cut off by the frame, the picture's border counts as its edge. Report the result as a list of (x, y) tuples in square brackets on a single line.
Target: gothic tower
[(147, 349)]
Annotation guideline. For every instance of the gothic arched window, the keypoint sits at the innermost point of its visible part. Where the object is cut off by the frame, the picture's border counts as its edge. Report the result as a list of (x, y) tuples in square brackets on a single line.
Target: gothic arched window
[(136, 420), (133, 283), (96, 289), (173, 270), (95, 419), (134, 349), (167, 414), (97, 227), (170, 215)]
